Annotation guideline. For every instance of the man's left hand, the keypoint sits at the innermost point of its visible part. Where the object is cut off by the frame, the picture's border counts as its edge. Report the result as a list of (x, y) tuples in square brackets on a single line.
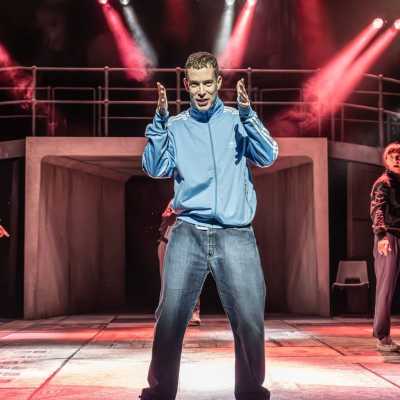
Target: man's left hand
[(242, 96), (3, 232)]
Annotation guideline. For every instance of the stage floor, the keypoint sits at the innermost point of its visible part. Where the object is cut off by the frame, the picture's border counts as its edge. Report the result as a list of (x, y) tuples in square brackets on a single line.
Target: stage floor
[(106, 357)]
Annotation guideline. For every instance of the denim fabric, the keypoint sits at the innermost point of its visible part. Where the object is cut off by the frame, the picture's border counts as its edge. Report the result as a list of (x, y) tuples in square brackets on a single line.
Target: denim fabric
[(231, 256)]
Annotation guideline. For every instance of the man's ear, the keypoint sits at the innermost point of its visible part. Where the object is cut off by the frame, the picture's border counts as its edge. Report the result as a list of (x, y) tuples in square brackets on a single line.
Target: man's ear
[(219, 82), (186, 83)]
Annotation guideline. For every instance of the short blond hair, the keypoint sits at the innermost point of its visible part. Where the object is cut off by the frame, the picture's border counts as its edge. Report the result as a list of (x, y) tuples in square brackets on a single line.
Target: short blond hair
[(390, 149), (200, 60)]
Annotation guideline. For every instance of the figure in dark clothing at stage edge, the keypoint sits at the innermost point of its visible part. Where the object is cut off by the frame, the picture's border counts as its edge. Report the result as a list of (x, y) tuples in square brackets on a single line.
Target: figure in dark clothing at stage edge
[(385, 213), (207, 149)]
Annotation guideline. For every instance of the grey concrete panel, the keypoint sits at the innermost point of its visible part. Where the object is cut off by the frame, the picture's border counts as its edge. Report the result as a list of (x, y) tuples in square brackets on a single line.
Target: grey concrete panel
[(12, 149), (296, 235)]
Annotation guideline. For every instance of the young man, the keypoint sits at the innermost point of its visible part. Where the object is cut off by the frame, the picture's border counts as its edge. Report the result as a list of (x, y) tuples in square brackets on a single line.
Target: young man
[(385, 213), (168, 219), (3, 232), (206, 149)]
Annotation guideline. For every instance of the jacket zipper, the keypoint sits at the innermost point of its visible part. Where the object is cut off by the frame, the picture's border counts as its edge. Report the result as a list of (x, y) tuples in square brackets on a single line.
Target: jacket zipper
[(215, 170)]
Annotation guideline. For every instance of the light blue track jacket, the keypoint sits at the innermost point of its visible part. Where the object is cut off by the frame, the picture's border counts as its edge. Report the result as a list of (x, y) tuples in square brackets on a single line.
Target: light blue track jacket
[(207, 154)]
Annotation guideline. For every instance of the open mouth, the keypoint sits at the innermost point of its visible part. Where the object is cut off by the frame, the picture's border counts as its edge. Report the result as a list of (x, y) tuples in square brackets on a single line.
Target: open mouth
[(202, 102)]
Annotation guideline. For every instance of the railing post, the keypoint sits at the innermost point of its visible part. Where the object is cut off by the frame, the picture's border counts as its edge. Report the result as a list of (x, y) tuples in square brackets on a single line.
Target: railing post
[(94, 121), (249, 81), (319, 116), (261, 113), (106, 98), (34, 80), (380, 112), (50, 120), (333, 128), (342, 123), (303, 108), (178, 89), (99, 109)]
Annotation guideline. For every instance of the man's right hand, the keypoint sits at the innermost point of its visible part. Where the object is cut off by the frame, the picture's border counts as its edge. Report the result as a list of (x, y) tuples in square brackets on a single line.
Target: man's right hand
[(162, 105), (384, 247), (3, 232)]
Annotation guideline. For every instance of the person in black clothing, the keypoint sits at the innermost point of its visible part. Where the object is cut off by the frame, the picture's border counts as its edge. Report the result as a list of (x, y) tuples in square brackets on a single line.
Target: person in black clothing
[(385, 214)]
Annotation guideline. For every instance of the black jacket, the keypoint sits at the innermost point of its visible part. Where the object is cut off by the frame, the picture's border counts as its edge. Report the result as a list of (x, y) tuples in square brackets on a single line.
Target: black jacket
[(385, 205)]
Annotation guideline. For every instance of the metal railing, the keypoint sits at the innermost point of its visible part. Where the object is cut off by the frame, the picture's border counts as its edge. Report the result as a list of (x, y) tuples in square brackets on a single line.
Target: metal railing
[(41, 101)]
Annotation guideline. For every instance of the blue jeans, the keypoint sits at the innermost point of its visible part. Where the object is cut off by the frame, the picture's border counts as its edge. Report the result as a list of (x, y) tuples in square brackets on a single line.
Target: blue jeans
[(231, 256)]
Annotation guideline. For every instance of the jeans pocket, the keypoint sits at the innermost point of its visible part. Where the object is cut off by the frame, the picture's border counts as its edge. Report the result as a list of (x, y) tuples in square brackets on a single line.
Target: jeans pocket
[(177, 224)]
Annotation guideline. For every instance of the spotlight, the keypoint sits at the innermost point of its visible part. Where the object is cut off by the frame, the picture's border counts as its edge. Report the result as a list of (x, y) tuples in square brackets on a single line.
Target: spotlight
[(377, 23), (103, 2), (124, 2), (230, 3), (397, 24), (252, 2)]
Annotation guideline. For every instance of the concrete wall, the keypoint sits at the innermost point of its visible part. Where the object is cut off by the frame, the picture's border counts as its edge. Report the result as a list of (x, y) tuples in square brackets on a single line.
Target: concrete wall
[(66, 208), (292, 227), (81, 249), (285, 230), (74, 224)]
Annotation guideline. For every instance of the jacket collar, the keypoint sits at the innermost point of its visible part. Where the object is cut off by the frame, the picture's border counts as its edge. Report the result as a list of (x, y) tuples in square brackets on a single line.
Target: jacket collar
[(205, 116), (392, 175)]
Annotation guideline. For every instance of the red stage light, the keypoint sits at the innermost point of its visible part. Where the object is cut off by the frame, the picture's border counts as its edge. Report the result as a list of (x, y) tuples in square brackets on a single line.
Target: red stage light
[(336, 82), (233, 55), (377, 23), (21, 82), (103, 2), (130, 53), (397, 24), (361, 66)]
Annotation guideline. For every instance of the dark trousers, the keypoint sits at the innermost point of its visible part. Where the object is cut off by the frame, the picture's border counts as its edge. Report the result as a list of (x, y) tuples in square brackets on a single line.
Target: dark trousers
[(386, 271)]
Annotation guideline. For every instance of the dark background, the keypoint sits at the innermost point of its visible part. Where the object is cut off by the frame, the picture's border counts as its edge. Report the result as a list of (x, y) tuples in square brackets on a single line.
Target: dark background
[(276, 40)]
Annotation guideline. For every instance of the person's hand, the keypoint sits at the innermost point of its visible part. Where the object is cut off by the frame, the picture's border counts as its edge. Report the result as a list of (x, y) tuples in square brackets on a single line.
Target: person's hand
[(242, 96), (162, 105), (3, 232), (384, 247)]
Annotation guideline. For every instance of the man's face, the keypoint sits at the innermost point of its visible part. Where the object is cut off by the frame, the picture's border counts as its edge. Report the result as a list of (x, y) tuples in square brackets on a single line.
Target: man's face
[(392, 161), (203, 86)]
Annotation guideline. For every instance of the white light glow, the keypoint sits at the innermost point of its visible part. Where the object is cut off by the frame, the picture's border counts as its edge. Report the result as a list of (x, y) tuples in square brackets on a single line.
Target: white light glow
[(139, 35), (378, 23), (225, 29)]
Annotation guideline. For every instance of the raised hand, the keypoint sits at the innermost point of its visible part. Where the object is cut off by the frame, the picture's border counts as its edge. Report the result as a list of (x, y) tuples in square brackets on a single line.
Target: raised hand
[(242, 96), (3, 232), (162, 105)]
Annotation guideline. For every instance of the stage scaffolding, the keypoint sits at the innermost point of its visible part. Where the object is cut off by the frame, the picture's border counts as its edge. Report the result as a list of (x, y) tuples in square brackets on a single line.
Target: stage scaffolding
[(104, 96)]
